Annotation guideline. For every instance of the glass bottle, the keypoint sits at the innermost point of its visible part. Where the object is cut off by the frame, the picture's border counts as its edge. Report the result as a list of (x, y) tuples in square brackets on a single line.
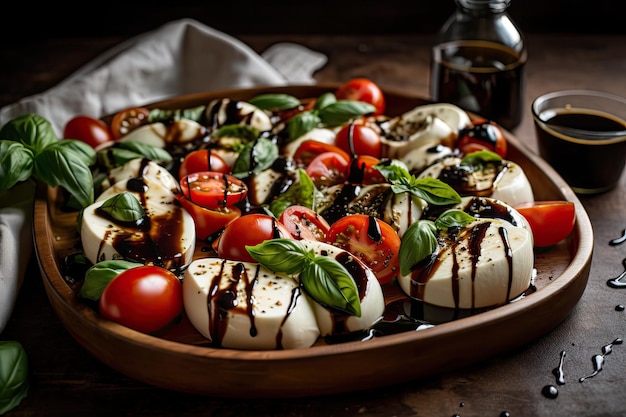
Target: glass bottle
[(478, 62)]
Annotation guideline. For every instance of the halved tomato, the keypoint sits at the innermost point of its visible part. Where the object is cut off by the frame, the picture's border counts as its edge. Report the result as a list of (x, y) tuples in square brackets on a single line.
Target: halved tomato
[(202, 160), (371, 240), (213, 190), (304, 223), (328, 168), (128, 119), (310, 148), (209, 222), (362, 171), (550, 221)]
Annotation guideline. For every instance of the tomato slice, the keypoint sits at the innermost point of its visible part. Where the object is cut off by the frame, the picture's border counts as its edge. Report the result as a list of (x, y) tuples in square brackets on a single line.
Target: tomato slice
[(482, 135), (310, 148), (208, 222), (359, 139), (128, 119), (202, 160), (550, 221), (304, 223), (363, 89), (213, 190), (145, 298), (371, 240), (362, 171), (328, 168)]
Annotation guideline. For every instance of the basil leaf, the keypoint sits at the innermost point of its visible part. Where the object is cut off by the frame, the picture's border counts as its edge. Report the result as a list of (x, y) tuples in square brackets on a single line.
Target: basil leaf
[(275, 101), (58, 164), (330, 284), (16, 164), (255, 157), (477, 160), (302, 123), (248, 133), (453, 218), (165, 115), (418, 242), (14, 381), (434, 191), (281, 255), (99, 275), (342, 111), (302, 192), (82, 149), (325, 100), (124, 207), (31, 130)]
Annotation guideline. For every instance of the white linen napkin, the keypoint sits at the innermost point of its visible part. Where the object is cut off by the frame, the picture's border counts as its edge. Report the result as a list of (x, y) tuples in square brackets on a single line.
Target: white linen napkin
[(180, 57)]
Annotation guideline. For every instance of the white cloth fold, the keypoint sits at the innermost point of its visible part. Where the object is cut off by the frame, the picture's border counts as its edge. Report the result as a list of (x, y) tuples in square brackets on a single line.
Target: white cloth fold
[(180, 57)]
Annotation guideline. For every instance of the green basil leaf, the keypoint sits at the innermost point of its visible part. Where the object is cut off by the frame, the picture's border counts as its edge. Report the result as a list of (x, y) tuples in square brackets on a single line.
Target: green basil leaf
[(255, 157), (31, 130), (281, 255), (330, 284), (302, 123), (58, 164), (342, 111), (434, 191), (82, 149), (14, 383), (418, 242), (124, 207), (99, 275), (248, 133), (453, 218), (16, 164), (274, 101), (325, 100), (301, 192), (165, 115), (477, 160)]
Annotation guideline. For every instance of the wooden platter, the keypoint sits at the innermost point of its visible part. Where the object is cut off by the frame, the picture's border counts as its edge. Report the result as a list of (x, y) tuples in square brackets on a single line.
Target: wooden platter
[(180, 360)]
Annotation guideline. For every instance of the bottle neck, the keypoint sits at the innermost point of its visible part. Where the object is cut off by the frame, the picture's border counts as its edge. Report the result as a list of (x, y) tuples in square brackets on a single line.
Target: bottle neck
[(483, 6)]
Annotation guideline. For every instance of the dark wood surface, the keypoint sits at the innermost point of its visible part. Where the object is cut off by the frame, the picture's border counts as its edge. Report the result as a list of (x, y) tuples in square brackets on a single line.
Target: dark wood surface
[(67, 381)]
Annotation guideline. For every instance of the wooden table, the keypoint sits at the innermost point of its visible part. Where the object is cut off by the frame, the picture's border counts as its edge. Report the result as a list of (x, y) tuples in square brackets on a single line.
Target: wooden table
[(66, 380)]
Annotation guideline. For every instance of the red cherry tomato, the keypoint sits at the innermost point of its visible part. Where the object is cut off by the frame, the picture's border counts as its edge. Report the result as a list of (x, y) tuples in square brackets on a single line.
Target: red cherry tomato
[(92, 131), (145, 298), (202, 160), (328, 168), (213, 190), (209, 223), (250, 229), (358, 139), (128, 119), (371, 240), (304, 223), (550, 221), (482, 135), (363, 89), (310, 148)]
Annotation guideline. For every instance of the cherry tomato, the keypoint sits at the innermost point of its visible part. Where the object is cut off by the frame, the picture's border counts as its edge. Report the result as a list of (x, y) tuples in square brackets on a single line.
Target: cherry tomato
[(304, 223), (92, 131), (213, 190), (202, 160), (482, 135), (250, 229), (362, 171), (363, 89), (550, 221), (209, 222), (358, 139), (145, 298), (128, 119), (328, 168), (371, 240), (310, 148)]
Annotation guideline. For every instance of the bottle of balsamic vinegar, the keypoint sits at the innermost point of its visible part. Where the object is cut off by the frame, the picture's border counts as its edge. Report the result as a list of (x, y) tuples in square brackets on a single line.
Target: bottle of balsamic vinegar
[(478, 62)]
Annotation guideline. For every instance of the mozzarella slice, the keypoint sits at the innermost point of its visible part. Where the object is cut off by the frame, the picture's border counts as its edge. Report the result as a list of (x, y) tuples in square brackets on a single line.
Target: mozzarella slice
[(421, 157), (221, 112), (243, 305), (168, 241), (507, 183), (488, 264), (161, 135), (143, 168)]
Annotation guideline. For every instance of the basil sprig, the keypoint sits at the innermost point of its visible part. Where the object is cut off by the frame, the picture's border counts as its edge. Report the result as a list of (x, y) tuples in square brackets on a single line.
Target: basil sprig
[(255, 157), (124, 207), (420, 239), (14, 381), (100, 274), (431, 190), (324, 279), (29, 148)]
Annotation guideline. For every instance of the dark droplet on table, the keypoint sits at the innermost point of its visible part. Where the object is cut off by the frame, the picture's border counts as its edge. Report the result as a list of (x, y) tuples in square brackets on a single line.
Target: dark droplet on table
[(550, 391), (505, 414), (598, 360), (620, 307), (620, 280), (558, 371), (619, 240)]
